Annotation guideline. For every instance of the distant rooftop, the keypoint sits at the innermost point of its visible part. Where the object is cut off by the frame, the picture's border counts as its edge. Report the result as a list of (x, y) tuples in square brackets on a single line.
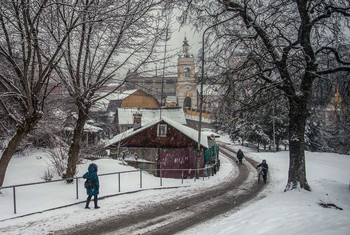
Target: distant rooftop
[(125, 115)]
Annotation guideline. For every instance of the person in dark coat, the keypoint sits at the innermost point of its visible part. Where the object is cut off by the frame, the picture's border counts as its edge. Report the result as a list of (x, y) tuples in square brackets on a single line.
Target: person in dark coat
[(94, 191), (264, 168), (240, 156)]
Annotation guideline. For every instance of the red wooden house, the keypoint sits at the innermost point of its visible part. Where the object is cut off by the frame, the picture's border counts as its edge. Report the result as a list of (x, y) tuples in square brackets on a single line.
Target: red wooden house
[(163, 144)]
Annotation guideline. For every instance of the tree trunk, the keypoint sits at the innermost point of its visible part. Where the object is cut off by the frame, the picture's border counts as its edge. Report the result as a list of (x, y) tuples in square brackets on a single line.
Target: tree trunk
[(73, 154), (21, 133), (9, 151), (297, 172)]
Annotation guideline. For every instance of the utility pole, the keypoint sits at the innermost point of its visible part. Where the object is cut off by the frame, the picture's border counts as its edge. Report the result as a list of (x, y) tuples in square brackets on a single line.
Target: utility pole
[(162, 91), (201, 106)]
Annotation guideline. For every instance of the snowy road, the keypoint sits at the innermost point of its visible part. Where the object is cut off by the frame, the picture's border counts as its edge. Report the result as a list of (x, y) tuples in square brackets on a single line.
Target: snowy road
[(173, 216)]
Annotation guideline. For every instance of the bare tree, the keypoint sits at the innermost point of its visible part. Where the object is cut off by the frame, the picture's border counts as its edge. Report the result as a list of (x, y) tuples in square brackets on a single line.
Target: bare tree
[(30, 56), (286, 45), (115, 39)]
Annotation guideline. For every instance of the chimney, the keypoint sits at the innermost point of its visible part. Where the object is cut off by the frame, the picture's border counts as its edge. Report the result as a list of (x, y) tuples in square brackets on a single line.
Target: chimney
[(137, 121)]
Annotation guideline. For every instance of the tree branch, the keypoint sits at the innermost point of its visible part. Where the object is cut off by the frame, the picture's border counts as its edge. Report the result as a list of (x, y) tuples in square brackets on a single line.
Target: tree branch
[(334, 70), (335, 53)]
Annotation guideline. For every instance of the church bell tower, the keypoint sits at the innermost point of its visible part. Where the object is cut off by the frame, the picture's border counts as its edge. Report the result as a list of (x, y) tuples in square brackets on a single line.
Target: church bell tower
[(186, 89)]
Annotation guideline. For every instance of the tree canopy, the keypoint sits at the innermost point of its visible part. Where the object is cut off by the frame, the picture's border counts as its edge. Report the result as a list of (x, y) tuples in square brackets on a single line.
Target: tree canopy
[(274, 47)]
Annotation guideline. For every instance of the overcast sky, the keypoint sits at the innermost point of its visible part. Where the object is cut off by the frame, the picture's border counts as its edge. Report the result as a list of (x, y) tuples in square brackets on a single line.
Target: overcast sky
[(174, 45)]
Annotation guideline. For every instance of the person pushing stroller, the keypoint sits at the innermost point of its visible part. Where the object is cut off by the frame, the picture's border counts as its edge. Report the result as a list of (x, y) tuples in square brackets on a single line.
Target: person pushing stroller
[(240, 156), (264, 168)]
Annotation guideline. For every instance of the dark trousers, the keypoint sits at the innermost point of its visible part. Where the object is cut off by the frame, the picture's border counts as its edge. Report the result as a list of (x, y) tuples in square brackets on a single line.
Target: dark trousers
[(89, 199), (265, 176)]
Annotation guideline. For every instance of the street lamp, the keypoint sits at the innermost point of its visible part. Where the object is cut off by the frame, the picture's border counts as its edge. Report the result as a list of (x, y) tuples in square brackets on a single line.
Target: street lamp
[(201, 98)]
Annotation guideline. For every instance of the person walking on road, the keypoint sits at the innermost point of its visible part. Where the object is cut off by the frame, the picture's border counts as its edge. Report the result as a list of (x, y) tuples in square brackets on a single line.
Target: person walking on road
[(92, 190), (240, 156)]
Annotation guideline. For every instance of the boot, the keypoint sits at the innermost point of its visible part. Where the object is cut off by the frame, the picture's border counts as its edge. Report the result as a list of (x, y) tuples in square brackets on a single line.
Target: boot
[(95, 202), (88, 202)]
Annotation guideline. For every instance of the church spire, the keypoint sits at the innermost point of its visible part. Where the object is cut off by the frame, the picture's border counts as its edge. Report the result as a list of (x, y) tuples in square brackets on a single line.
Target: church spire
[(185, 47)]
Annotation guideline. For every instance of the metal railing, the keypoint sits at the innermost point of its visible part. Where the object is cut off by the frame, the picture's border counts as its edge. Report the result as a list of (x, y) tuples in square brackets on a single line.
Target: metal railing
[(206, 172)]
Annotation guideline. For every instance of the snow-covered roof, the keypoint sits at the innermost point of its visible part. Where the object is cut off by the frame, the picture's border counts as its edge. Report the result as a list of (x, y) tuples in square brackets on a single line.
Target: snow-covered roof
[(92, 128), (59, 114), (191, 133), (125, 115), (129, 92), (171, 99), (87, 127), (113, 84)]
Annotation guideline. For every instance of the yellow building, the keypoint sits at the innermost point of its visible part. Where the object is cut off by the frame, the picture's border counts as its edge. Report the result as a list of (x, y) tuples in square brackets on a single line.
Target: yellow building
[(140, 99)]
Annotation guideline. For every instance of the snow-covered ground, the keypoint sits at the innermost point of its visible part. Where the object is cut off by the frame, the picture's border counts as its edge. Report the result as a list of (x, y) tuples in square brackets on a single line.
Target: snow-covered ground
[(296, 212), (273, 212)]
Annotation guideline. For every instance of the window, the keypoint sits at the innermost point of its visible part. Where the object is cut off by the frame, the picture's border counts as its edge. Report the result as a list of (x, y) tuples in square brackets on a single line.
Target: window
[(161, 131), (187, 102), (187, 72)]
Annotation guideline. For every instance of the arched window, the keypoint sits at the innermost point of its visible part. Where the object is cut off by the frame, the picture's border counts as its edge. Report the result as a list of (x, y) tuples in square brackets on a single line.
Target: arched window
[(187, 103), (187, 72)]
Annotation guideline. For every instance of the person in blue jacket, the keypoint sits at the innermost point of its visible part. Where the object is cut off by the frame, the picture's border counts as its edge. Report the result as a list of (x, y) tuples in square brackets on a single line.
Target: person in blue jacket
[(94, 191)]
